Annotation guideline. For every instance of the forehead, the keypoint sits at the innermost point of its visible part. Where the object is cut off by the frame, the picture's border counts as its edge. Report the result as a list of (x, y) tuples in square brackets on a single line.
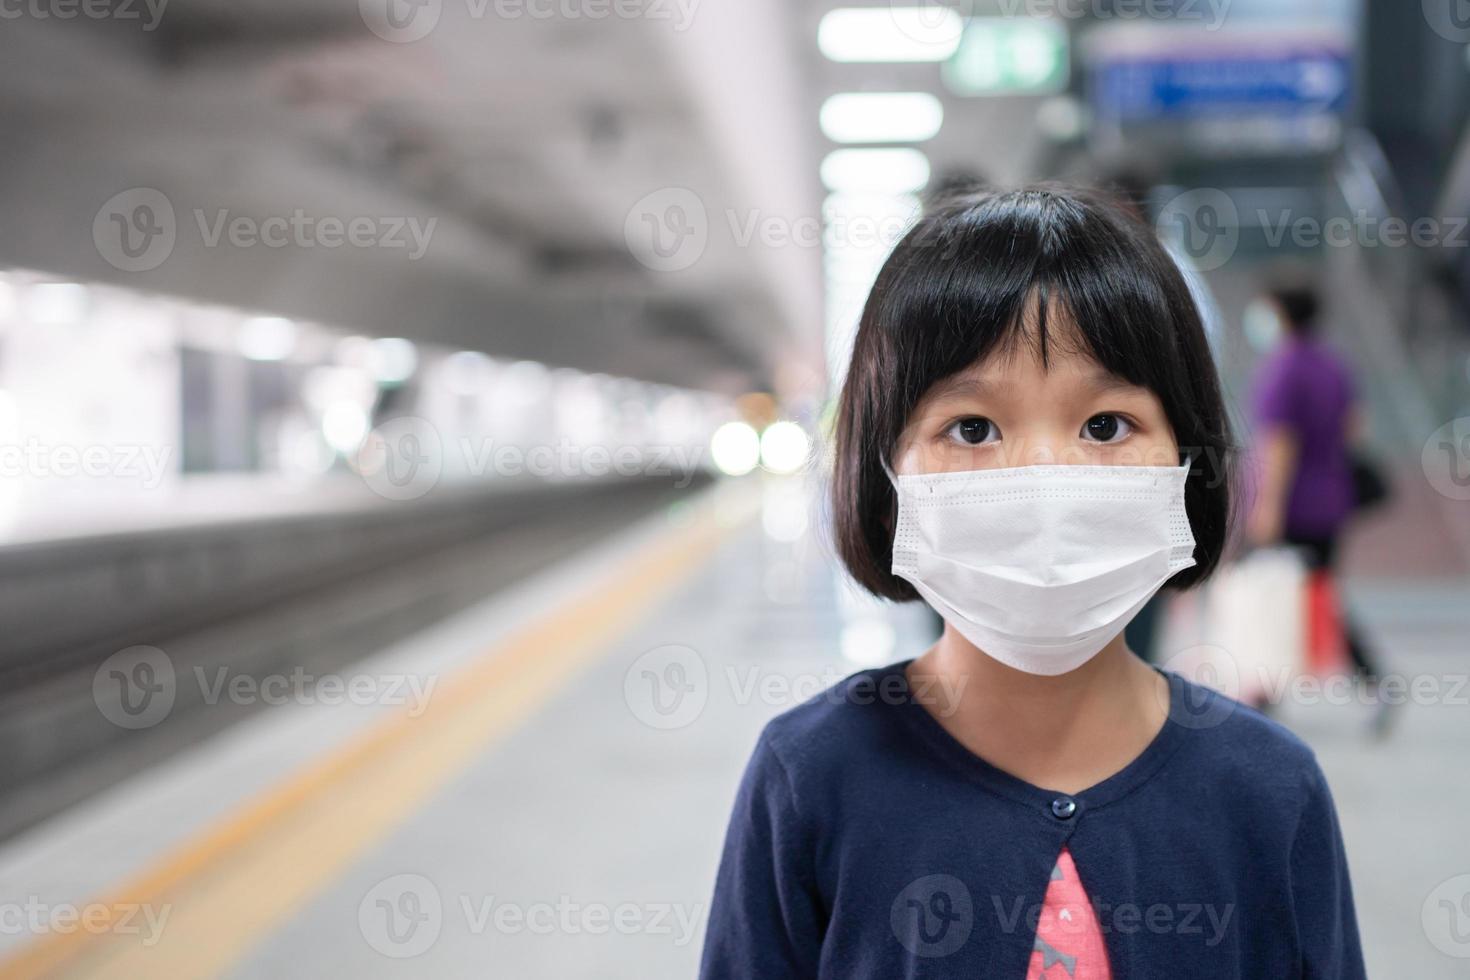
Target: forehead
[(1052, 355), (991, 378)]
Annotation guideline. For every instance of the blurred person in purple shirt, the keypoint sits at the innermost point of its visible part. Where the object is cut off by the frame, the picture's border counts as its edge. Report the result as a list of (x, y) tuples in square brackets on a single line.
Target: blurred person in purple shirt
[(1307, 421)]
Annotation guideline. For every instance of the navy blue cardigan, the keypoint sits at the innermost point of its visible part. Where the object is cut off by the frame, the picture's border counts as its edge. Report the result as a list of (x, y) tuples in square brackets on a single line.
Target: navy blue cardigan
[(866, 842)]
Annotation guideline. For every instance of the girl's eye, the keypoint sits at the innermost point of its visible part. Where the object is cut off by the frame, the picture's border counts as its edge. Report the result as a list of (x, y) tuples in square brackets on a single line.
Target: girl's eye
[(973, 431), (1106, 428)]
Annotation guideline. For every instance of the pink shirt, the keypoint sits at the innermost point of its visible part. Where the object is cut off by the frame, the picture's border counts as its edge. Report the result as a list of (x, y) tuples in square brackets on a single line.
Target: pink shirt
[(1068, 941)]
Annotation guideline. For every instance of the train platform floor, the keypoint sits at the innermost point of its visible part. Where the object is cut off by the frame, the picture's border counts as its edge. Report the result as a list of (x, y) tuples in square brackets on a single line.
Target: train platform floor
[(538, 786)]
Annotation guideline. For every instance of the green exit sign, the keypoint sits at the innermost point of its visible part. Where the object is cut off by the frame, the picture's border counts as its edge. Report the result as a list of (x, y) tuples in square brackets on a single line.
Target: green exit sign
[(999, 55)]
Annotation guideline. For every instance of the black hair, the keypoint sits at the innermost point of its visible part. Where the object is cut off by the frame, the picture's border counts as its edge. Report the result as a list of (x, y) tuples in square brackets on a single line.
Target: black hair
[(959, 286), (1299, 303)]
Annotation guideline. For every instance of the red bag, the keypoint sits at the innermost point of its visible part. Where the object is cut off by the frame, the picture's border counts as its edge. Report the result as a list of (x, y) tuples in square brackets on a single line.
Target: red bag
[(1326, 647)]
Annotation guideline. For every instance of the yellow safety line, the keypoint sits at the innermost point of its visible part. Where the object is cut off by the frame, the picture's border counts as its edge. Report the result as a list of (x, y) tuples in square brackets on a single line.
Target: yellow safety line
[(240, 879)]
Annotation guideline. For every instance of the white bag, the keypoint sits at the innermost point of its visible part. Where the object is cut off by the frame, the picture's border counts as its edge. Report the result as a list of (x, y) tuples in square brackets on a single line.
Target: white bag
[(1248, 638)]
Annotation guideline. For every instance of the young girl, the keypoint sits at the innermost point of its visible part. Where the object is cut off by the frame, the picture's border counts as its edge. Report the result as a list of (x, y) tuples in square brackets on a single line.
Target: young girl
[(1031, 440)]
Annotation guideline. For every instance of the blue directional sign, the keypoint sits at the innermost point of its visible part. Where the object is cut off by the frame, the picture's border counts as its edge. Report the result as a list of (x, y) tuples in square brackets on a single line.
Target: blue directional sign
[(1300, 81)]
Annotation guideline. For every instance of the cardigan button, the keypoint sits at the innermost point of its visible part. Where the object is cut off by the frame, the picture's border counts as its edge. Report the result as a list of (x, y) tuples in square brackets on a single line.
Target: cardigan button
[(1063, 808)]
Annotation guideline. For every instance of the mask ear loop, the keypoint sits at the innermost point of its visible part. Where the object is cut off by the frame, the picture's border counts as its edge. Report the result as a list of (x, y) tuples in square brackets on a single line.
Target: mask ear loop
[(893, 479), (888, 468), (898, 490)]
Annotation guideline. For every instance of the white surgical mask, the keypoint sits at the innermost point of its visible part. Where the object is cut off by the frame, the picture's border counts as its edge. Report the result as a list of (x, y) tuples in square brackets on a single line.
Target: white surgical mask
[(1041, 566)]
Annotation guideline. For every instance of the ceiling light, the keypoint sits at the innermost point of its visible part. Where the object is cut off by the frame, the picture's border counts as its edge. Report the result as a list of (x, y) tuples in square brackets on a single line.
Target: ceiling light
[(56, 303), (393, 360), (890, 33), (881, 117), (898, 170), (267, 338)]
